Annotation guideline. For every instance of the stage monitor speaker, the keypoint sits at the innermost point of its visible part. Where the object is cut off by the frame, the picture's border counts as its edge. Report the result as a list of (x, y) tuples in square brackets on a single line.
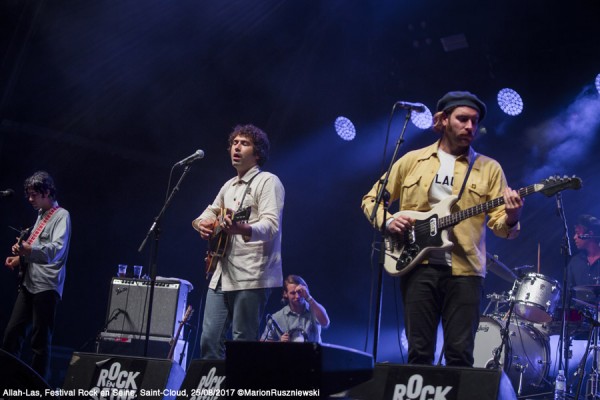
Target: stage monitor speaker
[(204, 379), (305, 366), (135, 345), (104, 376), (394, 381), (128, 306), (17, 376)]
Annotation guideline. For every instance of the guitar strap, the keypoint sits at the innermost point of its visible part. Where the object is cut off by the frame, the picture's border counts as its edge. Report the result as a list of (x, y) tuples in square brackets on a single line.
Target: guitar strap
[(462, 189), (246, 191), (42, 225)]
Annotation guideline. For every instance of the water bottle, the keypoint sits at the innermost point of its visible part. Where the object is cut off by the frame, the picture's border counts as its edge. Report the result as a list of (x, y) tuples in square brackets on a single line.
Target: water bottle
[(560, 386)]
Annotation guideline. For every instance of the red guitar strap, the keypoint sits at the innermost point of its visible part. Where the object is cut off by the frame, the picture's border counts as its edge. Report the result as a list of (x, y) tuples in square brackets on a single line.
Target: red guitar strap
[(42, 225)]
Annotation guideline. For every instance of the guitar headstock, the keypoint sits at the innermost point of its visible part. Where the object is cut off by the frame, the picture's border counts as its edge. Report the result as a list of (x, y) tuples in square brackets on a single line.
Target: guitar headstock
[(554, 184), (188, 314)]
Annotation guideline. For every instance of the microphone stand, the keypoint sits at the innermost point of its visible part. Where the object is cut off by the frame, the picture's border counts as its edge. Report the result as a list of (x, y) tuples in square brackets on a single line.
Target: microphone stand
[(384, 195), (155, 231), (564, 340)]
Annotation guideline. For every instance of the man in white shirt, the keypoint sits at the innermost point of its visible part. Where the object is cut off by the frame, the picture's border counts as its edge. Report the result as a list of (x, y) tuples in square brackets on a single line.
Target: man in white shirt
[(250, 265)]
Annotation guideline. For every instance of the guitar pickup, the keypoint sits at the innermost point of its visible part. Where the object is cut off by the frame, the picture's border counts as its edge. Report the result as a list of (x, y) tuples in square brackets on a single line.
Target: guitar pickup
[(433, 228)]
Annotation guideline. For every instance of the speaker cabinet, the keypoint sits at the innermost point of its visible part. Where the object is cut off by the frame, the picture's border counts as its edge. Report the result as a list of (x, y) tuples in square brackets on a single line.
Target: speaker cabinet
[(305, 366), (128, 306), (203, 380), (120, 377), (394, 381)]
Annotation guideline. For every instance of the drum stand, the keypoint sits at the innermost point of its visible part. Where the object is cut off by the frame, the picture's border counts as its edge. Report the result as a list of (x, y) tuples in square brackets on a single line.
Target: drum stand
[(591, 391), (495, 364)]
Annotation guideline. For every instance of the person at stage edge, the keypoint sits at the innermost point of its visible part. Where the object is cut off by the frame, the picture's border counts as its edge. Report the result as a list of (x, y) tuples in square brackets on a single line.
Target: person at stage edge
[(301, 319), (584, 267), (448, 285), (251, 265), (42, 259)]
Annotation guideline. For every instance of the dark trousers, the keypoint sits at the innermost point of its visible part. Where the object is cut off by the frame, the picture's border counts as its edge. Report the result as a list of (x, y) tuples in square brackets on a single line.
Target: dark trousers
[(430, 293), (33, 312)]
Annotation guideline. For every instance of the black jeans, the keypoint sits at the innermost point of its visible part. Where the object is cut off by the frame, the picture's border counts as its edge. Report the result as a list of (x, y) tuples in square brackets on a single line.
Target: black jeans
[(35, 311), (431, 293)]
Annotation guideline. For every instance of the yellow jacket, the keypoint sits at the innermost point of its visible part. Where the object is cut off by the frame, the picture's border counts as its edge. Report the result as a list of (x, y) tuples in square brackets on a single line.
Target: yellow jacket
[(409, 181)]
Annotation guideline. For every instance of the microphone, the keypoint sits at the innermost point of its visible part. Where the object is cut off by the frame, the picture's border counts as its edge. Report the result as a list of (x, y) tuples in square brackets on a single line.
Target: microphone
[(190, 159), (274, 324), (588, 236), (6, 193), (407, 105)]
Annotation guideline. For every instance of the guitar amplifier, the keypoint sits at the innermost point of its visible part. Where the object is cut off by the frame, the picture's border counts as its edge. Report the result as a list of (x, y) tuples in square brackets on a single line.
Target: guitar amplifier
[(128, 306)]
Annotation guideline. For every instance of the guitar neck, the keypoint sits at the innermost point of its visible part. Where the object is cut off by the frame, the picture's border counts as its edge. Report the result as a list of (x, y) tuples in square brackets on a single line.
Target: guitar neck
[(455, 218)]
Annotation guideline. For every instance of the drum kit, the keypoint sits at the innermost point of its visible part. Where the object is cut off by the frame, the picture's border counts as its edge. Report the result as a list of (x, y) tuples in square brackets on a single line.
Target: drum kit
[(520, 332)]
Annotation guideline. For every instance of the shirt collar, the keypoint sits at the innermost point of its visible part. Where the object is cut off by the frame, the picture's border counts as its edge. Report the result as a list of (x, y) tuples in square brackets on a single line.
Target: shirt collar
[(248, 175)]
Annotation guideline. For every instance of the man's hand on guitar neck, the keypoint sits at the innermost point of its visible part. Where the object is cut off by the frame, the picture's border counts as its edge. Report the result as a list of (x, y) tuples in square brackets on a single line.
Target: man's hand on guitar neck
[(513, 205), (400, 224)]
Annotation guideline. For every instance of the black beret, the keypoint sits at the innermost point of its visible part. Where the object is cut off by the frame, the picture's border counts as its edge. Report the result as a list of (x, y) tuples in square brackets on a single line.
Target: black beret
[(458, 98)]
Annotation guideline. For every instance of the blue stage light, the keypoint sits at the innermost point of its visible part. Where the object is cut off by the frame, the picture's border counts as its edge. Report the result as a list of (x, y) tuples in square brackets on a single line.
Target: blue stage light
[(510, 101), (422, 120), (345, 128), (598, 83)]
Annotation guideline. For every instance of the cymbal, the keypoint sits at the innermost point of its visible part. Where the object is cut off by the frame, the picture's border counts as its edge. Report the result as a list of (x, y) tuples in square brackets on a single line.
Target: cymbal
[(588, 288), (499, 269)]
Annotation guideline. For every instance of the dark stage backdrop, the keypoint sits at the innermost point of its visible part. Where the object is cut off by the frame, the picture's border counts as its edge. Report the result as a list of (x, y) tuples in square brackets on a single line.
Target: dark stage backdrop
[(108, 95)]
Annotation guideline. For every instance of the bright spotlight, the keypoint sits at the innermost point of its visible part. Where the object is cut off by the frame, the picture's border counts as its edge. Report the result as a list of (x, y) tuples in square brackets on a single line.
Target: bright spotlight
[(510, 101), (422, 120), (345, 128), (598, 83)]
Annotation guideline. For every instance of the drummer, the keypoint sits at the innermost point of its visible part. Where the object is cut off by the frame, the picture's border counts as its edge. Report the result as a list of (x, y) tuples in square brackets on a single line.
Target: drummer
[(584, 267), (301, 319)]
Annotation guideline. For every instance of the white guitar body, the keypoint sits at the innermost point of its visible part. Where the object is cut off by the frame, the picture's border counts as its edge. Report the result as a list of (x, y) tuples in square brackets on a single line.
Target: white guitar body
[(430, 231), (403, 253)]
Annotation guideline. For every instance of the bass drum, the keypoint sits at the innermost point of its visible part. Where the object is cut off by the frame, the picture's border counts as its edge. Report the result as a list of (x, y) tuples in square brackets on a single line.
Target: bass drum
[(528, 353)]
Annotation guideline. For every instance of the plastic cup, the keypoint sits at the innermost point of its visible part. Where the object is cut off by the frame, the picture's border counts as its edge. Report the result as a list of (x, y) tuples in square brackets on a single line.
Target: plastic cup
[(122, 270), (137, 271)]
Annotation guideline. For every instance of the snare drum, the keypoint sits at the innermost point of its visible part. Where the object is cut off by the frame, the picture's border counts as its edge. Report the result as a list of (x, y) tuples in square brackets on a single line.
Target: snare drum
[(528, 352), (535, 297)]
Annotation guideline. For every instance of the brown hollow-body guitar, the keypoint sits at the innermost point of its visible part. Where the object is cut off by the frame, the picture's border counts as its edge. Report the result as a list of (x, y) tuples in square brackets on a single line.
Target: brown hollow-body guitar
[(219, 239)]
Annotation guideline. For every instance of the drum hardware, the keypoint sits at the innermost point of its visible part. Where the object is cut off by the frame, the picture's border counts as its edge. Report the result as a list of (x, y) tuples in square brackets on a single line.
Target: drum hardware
[(495, 299), (591, 391), (525, 355)]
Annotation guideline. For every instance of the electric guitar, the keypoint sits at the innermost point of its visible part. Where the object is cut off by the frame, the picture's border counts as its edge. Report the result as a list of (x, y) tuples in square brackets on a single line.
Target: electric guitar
[(217, 243), (188, 313), (24, 234), (430, 230)]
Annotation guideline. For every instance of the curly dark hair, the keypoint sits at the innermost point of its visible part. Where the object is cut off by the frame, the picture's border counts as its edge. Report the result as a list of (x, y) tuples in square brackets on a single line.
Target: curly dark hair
[(40, 182), (259, 138)]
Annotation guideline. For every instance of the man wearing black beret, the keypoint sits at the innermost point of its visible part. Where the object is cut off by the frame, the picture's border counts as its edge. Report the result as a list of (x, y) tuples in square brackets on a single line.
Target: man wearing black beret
[(447, 284)]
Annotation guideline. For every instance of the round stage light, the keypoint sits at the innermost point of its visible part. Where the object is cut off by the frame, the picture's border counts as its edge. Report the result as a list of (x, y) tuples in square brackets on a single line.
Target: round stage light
[(345, 128), (510, 101), (422, 120)]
